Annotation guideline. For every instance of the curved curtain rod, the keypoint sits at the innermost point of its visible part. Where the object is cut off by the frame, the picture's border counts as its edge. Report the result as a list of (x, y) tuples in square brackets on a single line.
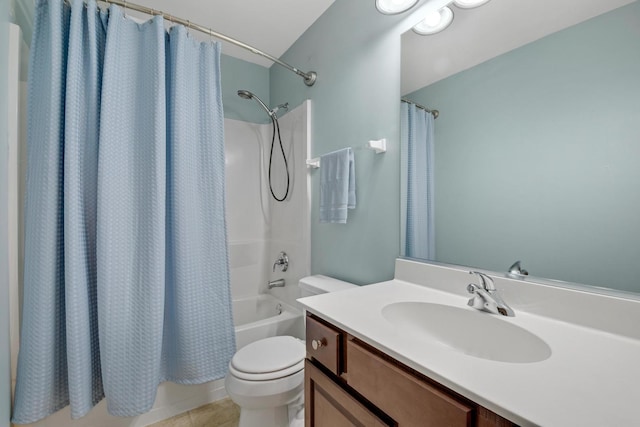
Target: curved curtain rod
[(434, 113), (308, 77)]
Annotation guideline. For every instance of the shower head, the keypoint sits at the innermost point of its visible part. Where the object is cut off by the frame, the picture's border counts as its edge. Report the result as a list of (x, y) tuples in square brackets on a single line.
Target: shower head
[(245, 94)]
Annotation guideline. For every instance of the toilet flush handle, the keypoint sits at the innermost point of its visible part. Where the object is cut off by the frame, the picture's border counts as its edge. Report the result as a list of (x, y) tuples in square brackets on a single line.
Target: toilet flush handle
[(316, 344)]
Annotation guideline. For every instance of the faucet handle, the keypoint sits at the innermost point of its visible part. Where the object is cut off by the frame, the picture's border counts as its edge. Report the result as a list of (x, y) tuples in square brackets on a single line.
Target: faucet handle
[(486, 282), (476, 301), (282, 261), (482, 299)]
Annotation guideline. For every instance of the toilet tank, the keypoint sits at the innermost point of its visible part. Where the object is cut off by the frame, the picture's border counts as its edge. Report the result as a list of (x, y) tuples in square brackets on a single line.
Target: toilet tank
[(319, 284)]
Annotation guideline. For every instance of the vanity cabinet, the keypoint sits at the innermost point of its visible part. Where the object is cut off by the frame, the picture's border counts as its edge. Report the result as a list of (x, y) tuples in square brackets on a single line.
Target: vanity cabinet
[(349, 383), (333, 406)]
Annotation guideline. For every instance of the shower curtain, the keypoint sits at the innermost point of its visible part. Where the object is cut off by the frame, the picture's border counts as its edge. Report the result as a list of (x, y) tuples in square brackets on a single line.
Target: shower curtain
[(126, 279), (417, 182)]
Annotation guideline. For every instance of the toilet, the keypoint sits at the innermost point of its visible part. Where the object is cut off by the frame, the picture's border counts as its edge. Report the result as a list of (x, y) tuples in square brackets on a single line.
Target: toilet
[(266, 377)]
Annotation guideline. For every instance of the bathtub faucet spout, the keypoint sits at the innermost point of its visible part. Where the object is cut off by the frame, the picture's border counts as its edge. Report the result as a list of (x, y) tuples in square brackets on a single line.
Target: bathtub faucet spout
[(279, 283)]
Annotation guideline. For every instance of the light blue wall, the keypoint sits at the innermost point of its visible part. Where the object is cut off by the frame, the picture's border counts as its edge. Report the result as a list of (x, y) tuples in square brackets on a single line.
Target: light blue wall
[(238, 74), (23, 15), (537, 156), (5, 355), (356, 52)]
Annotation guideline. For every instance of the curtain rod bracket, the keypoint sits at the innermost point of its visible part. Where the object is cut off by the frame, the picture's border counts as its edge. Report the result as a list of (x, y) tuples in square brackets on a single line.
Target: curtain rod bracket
[(310, 78)]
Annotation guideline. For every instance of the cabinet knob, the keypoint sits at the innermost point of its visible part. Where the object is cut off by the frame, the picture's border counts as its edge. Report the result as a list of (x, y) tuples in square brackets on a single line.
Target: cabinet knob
[(316, 344)]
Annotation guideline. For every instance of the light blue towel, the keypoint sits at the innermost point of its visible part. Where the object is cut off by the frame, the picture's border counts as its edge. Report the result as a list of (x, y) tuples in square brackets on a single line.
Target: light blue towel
[(337, 186)]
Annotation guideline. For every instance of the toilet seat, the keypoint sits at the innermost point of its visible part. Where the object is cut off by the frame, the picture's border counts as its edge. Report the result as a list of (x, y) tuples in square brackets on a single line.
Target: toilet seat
[(268, 359), (267, 375)]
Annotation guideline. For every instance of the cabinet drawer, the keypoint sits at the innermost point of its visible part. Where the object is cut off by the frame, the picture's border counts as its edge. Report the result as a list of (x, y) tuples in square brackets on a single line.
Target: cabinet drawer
[(407, 399), (323, 344), (328, 405)]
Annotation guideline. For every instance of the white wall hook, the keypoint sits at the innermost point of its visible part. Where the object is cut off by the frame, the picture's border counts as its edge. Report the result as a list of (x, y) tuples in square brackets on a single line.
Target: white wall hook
[(313, 163), (379, 146)]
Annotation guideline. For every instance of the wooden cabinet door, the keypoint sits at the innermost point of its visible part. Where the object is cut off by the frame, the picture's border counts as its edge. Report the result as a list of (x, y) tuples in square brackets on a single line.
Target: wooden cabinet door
[(328, 405), (409, 400)]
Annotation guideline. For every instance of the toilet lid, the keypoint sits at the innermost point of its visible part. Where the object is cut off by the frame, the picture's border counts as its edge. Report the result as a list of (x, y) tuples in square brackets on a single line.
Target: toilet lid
[(269, 355)]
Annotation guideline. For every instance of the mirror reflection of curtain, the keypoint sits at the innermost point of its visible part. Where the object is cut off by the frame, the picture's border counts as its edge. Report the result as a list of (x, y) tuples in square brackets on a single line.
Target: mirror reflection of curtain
[(417, 210)]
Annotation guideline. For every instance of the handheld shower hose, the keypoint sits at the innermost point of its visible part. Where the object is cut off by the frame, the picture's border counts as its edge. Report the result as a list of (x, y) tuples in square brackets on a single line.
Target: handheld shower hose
[(245, 94)]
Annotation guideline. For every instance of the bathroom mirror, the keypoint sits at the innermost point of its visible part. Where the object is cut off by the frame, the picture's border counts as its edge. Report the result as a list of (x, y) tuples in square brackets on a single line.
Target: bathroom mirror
[(537, 146)]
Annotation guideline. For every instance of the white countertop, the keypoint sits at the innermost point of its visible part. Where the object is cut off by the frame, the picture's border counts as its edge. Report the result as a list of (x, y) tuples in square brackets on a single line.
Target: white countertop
[(592, 377)]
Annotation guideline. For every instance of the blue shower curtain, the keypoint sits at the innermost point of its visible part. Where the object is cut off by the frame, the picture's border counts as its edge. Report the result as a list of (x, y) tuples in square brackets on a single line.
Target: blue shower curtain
[(417, 182), (126, 280)]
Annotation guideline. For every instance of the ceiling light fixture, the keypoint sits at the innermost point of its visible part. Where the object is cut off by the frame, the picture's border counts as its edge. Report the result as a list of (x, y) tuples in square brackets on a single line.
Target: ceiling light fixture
[(393, 7), (434, 22), (469, 4)]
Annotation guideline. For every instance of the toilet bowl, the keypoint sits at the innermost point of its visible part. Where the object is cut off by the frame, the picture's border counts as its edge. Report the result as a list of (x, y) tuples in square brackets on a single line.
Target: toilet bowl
[(266, 377)]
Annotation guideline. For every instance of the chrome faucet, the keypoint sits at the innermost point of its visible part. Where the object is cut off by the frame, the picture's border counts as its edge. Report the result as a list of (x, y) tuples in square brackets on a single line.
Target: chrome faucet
[(486, 297), (282, 262)]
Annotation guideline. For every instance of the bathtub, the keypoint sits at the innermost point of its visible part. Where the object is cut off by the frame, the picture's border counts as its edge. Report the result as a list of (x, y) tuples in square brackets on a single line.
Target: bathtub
[(263, 316)]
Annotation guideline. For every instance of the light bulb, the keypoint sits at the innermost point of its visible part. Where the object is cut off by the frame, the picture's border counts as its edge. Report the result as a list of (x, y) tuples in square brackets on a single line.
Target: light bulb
[(469, 4), (433, 18), (434, 22), (392, 7)]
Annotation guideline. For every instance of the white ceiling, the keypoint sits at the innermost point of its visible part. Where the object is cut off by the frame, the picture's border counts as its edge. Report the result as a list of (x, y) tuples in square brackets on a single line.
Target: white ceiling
[(477, 35), (269, 25)]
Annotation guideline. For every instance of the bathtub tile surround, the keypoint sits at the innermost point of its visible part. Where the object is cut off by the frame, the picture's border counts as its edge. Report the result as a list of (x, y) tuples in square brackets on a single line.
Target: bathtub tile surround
[(290, 229), (259, 227), (223, 413), (247, 206)]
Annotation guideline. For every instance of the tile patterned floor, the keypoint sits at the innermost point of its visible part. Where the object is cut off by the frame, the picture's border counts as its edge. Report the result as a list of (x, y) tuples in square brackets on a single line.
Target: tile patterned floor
[(223, 413)]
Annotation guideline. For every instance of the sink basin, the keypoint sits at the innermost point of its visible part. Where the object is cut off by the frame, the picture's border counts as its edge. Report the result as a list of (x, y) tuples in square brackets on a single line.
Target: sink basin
[(468, 331)]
